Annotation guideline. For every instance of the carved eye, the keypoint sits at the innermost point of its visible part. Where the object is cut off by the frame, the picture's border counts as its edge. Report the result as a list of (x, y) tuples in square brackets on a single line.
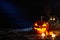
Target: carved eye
[(44, 24), (53, 19), (36, 24)]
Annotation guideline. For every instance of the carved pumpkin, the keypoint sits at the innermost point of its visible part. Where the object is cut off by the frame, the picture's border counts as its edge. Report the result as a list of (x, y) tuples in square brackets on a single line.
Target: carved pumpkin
[(40, 27)]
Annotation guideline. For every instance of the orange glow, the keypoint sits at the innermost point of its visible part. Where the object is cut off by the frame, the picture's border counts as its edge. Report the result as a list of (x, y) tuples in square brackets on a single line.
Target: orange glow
[(50, 33), (36, 24), (43, 35), (41, 27), (40, 30), (46, 33), (44, 25), (53, 35)]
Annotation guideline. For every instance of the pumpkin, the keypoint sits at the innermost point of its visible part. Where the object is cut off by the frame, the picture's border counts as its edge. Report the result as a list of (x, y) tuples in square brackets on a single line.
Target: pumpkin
[(40, 27)]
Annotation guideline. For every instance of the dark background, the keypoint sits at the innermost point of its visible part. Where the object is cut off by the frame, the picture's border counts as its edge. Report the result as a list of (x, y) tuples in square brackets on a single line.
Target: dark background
[(16, 13)]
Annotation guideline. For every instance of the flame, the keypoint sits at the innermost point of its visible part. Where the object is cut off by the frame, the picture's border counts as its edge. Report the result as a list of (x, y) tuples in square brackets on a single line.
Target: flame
[(40, 30), (43, 35), (53, 35), (36, 24), (46, 33), (44, 25), (50, 33)]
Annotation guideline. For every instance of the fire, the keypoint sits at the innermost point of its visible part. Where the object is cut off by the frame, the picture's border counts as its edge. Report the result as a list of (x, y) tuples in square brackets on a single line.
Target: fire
[(40, 30), (50, 33), (44, 25), (41, 27), (43, 35), (47, 33), (53, 35), (36, 24)]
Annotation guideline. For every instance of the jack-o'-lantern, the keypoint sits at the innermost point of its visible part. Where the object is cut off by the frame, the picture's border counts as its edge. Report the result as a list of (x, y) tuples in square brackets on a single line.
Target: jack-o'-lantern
[(41, 27), (53, 19)]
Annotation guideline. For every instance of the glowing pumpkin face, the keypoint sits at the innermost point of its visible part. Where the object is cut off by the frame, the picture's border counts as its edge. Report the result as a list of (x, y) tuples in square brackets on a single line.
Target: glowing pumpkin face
[(40, 27)]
